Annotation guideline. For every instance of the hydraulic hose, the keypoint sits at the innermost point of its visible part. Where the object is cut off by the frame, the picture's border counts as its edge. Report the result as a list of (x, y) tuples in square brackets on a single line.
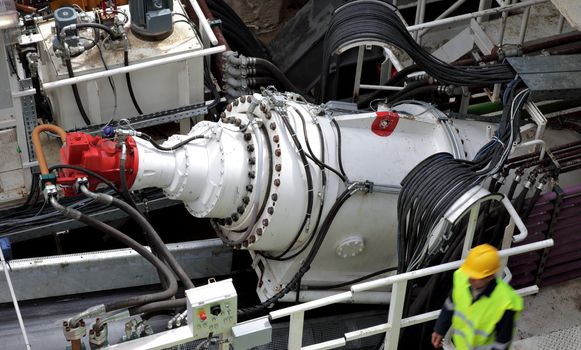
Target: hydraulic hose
[(158, 306), (276, 73), (129, 85), (90, 25), (174, 147), (76, 93), (121, 237), (134, 214), (306, 265), (38, 145), (418, 91)]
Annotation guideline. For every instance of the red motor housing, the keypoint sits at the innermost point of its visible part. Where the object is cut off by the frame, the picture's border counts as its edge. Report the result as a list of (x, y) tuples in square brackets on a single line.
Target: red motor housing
[(102, 156)]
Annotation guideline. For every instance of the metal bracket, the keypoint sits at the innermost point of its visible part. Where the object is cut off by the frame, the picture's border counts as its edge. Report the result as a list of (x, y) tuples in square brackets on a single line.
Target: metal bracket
[(29, 115)]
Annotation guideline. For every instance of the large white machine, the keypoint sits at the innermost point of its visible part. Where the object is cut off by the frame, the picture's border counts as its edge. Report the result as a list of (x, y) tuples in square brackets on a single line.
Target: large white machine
[(272, 174)]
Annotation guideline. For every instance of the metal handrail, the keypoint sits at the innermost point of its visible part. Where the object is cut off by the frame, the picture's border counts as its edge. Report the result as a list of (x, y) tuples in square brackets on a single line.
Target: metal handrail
[(395, 322), (399, 282)]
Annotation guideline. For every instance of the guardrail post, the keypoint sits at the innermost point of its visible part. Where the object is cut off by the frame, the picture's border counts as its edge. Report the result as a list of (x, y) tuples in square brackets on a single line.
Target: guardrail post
[(295, 331), (472, 221), (395, 314)]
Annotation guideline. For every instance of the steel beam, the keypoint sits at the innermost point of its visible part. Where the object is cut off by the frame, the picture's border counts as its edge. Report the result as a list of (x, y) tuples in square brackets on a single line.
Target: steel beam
[(50, 276)]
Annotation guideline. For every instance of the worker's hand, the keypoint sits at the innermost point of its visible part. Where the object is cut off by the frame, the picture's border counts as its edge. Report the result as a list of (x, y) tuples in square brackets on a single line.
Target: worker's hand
[(437, 340)]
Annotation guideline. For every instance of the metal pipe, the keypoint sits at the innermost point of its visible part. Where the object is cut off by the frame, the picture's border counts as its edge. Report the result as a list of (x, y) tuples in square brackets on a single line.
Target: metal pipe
[(38, 145), (14, 300), (444, 14), (420, 11), (333, 299), (560, 24), (503, 26), (379, 298), (481, 6), (535, 143), (381, 87), (523, 26), (204, 22), (466, 16), (382, 282), (132, 68)]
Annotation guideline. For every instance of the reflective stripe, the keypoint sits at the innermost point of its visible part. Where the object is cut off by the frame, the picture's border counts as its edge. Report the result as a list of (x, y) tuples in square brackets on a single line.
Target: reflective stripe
[(449, 304), (471, 324), (464, 318), (462, 335)]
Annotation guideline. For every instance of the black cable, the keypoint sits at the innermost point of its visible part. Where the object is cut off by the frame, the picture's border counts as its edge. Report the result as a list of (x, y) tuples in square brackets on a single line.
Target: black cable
[(158, 306), (102, 27), (121, 237), (76, 93), (280, 256), (129, 85), (277, 74), (312, 155), (88, 172), (210, 84), (354, 281), (305, 266), (238, 35), (365, 20), (339, 155), (309, 178), (156, 240), (174, 147)]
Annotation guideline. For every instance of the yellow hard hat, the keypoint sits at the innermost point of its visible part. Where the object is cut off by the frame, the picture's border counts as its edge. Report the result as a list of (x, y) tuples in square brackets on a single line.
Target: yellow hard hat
[(482, 261)]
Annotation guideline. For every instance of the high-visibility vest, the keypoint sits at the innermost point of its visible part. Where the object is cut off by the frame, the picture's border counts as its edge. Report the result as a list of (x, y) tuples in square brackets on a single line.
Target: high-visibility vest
[(473, 324)]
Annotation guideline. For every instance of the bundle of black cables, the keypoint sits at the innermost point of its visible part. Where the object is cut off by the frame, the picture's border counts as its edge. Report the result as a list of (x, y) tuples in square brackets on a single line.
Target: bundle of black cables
[(369, 20), (239, 37), (435, 184)]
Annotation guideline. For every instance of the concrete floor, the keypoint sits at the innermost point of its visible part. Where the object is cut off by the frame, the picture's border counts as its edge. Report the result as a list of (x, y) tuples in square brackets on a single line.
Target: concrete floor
[(551, 319)]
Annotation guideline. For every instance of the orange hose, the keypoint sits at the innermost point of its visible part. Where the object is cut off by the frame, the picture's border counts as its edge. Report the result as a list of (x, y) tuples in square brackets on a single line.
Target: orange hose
[(38, 145)]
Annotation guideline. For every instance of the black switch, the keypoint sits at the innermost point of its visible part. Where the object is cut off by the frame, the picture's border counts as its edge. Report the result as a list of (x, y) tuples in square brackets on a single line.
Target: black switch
[(215, 310)]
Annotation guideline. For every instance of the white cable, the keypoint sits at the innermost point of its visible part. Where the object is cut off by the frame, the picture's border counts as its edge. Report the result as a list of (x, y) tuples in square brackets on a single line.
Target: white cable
[(14, 300)]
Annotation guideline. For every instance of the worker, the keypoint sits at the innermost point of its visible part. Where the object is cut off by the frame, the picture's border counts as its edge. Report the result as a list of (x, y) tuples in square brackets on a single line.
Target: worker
[(481, 309)]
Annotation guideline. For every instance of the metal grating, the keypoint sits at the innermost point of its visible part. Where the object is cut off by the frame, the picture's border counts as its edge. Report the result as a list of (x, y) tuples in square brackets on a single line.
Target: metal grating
[(564, 339)]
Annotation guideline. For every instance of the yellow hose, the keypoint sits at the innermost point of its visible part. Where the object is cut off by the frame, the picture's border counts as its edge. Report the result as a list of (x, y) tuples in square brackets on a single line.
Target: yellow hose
[(38, 145)]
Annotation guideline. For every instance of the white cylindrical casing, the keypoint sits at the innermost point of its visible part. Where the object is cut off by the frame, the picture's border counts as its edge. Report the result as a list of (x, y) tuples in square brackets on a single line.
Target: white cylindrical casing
[(217, 176)]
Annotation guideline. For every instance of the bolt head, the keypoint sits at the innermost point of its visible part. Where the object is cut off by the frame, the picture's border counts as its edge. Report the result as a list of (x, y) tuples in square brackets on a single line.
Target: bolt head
[(277, 152), (274, 197), (265, 222), (272, 126), (276, 182), (270, 210), (277, 167)]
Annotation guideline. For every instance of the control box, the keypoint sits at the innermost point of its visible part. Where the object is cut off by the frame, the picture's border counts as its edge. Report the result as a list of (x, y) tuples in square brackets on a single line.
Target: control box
[(212, 308)]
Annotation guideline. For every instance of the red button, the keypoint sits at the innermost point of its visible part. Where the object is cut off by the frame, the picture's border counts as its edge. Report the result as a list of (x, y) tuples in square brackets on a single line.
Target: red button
[(202, 315)]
